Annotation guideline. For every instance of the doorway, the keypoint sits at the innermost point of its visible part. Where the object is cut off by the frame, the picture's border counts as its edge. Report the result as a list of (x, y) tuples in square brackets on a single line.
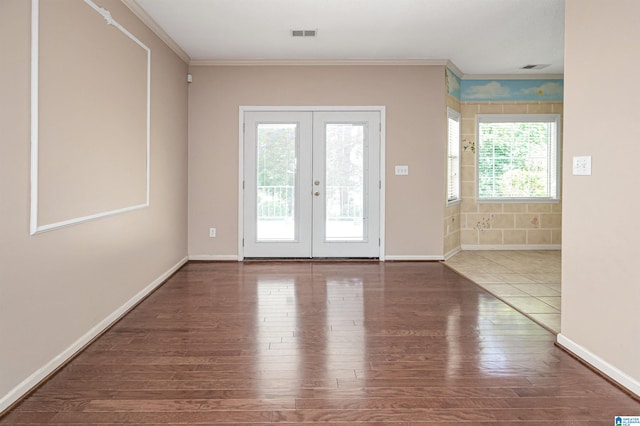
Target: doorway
[(311, 184)]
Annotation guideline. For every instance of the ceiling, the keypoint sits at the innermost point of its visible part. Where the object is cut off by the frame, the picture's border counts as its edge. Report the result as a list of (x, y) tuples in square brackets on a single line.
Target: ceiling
[(480, 37)]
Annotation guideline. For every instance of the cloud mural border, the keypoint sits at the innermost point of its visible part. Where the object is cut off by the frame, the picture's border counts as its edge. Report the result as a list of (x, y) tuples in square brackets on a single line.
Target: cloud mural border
[(512, 90), (453, 83)]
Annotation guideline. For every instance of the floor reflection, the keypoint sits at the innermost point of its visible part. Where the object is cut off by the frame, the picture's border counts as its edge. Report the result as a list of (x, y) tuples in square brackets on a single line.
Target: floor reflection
[(507, 341), (340, 343), (310, 328), (453, 329), (345, 316), (276, 322)]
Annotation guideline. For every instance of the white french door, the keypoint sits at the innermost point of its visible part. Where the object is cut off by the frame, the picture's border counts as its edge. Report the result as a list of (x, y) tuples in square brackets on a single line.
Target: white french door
[(311, 184), (277, 193)]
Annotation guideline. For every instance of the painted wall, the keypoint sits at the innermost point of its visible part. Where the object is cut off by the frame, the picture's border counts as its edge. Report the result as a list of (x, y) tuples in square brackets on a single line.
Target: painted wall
[(56, 286), (470, 225), (414, 97), (600, 282), (451, 227), (510, 90), (508, 225)]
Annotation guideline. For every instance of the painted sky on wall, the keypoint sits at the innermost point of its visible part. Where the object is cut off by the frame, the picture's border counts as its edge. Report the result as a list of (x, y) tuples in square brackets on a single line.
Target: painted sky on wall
[(453, 83), (511, 90), (503, 90)]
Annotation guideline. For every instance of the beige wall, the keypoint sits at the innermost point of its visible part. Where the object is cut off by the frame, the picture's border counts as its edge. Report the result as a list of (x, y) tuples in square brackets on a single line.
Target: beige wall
[(600, 281), (56, 286), (503, 224), (416, 134)]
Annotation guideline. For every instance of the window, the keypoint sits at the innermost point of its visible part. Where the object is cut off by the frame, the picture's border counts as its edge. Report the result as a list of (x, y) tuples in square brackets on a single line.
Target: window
[(517, 157), (453, 156)]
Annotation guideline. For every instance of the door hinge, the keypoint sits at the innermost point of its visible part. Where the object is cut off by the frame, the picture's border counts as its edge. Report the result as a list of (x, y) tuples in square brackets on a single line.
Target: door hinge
[(379, 184), (379, 242), (242, 184), (380, 127), (243, 242), (243, 128)]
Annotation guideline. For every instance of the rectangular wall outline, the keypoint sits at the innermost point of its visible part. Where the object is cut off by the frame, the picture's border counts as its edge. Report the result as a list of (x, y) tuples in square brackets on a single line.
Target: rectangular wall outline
[(35, 227)]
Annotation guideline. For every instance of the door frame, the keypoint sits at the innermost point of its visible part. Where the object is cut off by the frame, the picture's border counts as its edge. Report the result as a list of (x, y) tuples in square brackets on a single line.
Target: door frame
[(241, 112)]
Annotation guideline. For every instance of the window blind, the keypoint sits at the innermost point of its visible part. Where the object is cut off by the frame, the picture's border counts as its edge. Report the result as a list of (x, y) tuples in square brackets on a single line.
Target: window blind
[(453, 155), (517, 157)]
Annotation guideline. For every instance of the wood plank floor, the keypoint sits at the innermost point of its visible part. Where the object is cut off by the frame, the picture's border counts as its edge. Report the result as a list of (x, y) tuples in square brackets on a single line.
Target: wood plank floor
[(351, 343)]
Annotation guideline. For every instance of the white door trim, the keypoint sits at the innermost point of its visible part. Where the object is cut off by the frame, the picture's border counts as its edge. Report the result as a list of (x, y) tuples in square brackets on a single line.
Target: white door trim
[(241, 112)]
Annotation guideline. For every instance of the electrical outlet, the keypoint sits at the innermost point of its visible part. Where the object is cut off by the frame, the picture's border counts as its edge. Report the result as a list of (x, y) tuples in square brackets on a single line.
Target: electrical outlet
[(212, 232), (582, 165), (402, 170)]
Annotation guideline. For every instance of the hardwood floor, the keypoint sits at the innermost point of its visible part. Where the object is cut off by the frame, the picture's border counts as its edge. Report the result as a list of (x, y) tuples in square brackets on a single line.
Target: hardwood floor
[(352, 343)]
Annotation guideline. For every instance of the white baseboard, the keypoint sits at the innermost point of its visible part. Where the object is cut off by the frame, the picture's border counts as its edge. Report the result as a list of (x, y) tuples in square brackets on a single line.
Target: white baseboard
[(511, 247), (624, 380), (33, 380), (413, 257), (213, 257), (232, 257), (452, 253)]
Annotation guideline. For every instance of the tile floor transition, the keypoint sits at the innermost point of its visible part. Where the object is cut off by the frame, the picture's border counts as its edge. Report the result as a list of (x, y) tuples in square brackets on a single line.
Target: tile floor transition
[(527, 280)]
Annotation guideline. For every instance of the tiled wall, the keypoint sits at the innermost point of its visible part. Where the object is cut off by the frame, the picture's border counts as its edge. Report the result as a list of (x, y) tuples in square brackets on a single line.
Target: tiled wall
[(494, 224), (451, 230), (452, 213)]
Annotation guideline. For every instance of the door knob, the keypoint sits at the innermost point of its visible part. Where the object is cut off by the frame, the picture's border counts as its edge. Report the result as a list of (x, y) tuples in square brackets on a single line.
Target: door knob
[(317, 193), (316, 183)]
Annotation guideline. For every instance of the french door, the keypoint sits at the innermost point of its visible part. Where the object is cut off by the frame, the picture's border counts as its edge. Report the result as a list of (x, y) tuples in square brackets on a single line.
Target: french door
[(311, 184)]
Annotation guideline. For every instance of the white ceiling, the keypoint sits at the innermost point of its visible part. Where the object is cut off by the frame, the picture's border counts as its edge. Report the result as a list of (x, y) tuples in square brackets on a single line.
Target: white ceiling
[(478, 36)]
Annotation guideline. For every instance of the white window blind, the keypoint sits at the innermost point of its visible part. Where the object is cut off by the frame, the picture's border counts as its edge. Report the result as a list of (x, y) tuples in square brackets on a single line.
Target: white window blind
[(453, 155), (517, 157)]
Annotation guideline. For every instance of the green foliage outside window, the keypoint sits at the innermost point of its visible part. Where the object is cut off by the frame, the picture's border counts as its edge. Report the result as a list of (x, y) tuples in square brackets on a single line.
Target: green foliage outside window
[(276, 170), (517, 160)]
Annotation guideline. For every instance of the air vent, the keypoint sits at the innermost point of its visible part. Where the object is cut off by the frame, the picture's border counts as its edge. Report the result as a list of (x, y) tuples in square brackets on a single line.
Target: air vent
[(534, 66), (304, 33)]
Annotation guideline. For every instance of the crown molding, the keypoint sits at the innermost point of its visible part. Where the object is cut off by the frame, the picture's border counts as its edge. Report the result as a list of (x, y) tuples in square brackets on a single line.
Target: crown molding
[(369, 62), (512, 77), (317, 62), (157, 29), (453, 67)]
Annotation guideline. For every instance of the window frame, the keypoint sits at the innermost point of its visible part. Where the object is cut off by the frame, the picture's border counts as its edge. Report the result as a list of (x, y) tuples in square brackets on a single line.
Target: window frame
[(453, 195), (555, 152)]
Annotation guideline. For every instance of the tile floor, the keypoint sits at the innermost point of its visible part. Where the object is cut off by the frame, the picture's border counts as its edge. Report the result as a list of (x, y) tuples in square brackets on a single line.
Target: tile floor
[(527, 280)]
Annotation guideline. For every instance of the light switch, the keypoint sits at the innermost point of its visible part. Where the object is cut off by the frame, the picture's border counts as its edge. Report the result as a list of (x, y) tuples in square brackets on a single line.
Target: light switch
[(582, 165), (402, 170)]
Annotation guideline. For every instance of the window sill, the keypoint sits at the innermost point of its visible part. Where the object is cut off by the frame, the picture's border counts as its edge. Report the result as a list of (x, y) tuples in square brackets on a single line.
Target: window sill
[(517, 200)]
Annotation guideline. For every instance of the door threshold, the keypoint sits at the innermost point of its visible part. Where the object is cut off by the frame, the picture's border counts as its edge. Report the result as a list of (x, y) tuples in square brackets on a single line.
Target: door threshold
[(311, 259)]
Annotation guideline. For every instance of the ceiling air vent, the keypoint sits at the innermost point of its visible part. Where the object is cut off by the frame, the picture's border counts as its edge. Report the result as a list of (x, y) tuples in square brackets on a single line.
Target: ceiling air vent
[(534, 67), (304, 33)]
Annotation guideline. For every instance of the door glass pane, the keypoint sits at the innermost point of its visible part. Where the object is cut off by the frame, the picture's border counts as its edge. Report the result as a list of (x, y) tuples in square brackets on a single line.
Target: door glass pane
[(345, 182), (276, 170)]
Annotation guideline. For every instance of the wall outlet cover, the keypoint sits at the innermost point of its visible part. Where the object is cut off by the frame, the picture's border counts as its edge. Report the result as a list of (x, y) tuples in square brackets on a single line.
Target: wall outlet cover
[(582, 165), (402, 170)]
